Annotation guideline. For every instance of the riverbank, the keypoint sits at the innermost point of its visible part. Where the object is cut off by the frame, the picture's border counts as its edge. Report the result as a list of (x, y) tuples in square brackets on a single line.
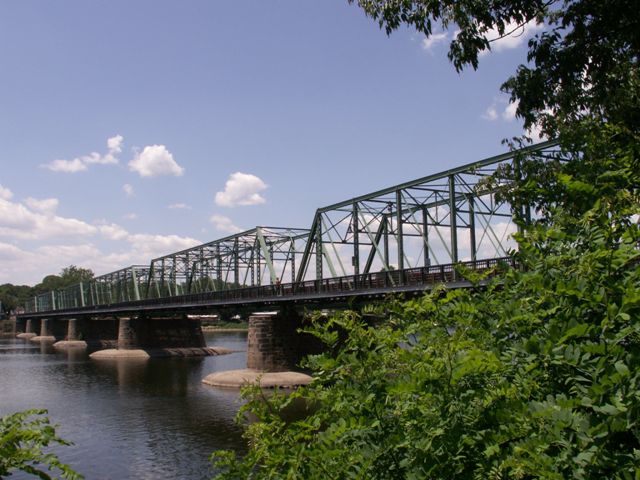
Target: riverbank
[(227, 327)]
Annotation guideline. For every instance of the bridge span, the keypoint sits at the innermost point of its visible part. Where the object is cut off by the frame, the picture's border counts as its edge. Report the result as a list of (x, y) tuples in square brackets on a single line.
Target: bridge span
[(402, 239)]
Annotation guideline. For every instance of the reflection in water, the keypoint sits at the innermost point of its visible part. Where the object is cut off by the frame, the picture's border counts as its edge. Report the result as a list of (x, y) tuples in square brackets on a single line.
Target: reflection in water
[(129, 419)]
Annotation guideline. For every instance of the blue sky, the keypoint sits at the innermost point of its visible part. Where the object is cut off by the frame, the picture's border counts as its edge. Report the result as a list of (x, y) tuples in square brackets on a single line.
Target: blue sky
[(132, 129)]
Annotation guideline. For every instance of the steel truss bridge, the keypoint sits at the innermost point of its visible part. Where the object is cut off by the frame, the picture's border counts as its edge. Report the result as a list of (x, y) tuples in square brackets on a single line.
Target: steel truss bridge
[(403, 238)]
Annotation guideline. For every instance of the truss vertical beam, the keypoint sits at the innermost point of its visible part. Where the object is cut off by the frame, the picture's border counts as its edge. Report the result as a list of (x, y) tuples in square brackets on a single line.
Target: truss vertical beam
[(472, 226), (356, 244), (267, 255), (400, 236), (453, 218)]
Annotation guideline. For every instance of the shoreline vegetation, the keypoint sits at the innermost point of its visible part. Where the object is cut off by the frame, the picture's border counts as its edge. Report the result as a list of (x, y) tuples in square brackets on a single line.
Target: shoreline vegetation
[(213, 328)]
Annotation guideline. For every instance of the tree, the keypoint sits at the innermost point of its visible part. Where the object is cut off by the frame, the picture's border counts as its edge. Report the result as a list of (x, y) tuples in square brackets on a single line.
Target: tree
[(13, 296), (23, 436), (584, 65), (72, 275), (536, 375)]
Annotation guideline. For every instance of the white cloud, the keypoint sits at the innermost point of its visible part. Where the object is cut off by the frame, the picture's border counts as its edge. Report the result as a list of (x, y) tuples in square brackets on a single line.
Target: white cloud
[(115, 144), (224, 224), (20, 222), (67, 166), (179, 206), (241, 189), (5, 193), (509, 113), (128, 190), (130, 216), (36, 220), (147, 246), (434, 39), (113, 231), (81, 164), (535, 132), (515, 35), (46, 206), (490, 113), (155, 160)]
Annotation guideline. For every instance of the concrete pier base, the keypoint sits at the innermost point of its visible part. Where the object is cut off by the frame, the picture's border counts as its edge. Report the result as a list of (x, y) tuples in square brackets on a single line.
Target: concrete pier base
[(64, 344), (72, 337), (159, 337), (28, 331), (45, 333), (247, 376), (26, 335), (274, 349), (111, 353)]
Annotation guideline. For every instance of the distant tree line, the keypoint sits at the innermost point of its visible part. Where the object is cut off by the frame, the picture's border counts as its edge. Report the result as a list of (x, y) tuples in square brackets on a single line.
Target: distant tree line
[(14, 296)]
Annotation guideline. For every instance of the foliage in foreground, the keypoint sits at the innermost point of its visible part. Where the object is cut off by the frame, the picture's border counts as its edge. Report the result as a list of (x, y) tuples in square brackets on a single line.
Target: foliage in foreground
[(23, 436), (535, 376)]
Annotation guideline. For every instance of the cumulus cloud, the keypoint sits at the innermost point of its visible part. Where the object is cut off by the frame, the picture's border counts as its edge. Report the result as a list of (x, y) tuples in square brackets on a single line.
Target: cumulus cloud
[(224, 224), (498, 110), (241, 189), (39, 221), (113, 231), (179, 206), (115, 144), (148, 246), (155, 160), (431, 41), (81, 164), (67, 166), (515, 35), (46, 206), (128, 190), (5, 193), (490, 113), (509, 113)]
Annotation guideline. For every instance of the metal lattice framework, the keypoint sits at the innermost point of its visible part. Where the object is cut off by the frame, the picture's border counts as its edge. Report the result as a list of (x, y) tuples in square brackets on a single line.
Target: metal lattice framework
[(123, 285), (439, 219), (260, 256)]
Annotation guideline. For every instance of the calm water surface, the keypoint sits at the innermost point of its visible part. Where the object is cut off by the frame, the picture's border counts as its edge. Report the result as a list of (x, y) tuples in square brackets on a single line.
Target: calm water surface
[(128, 418)]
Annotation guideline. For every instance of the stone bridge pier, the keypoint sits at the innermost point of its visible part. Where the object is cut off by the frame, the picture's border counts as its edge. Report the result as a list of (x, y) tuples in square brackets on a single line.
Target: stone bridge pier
[(144, 337), (92, 333), (46, 332), (274, 351), (29, 329)]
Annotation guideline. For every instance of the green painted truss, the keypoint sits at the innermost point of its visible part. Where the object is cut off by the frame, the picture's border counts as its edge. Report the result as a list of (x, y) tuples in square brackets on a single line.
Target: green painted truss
[(440, 219)]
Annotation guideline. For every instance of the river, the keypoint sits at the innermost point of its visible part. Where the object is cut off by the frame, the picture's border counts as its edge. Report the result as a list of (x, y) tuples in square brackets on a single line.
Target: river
[(128, 419)]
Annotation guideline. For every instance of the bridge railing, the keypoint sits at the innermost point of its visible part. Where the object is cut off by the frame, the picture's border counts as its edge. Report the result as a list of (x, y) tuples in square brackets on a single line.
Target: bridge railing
[(378, 282)]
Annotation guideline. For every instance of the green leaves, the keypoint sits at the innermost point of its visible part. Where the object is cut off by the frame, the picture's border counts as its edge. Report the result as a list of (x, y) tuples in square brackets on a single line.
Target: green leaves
[(23, 436), (535, 375)]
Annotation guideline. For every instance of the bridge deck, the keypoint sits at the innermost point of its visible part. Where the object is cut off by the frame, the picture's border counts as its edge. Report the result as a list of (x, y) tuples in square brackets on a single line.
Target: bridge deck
[(331, 290)]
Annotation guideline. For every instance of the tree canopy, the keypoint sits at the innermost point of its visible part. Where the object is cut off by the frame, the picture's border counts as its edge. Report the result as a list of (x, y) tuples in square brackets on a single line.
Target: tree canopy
[(536, 375), (13, 296), (583, 65)]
